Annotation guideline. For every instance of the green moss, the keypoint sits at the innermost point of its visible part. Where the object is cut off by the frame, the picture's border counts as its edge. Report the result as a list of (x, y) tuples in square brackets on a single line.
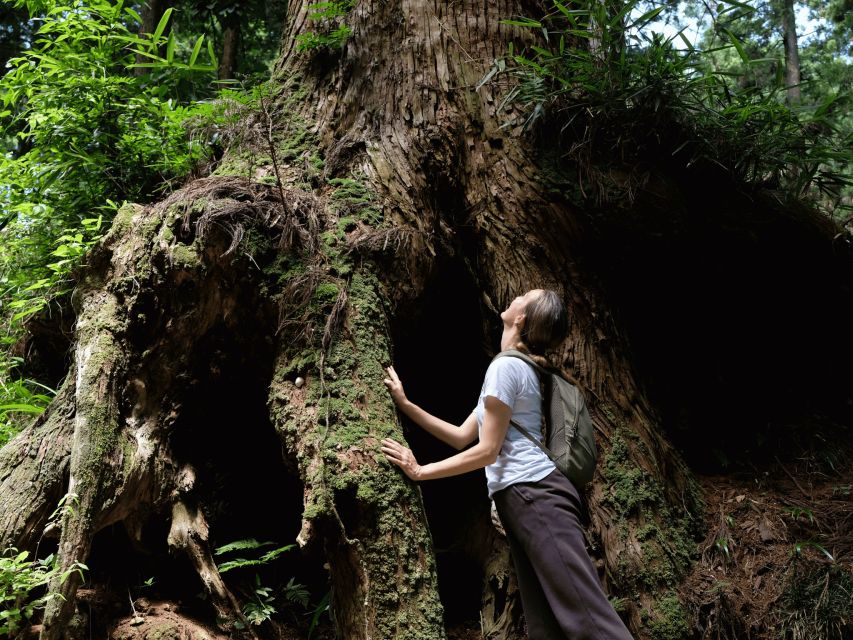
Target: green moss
[(664, 533), (629, 486), (128, 451), (97, 433), (356, 201), (669, 620), (326, 293), (353, 413), (123, 221), (150, 225), (165, 631), (185, 256)]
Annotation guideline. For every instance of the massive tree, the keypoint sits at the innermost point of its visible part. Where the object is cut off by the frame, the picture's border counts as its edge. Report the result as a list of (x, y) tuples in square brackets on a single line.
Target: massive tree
[(375, 208)]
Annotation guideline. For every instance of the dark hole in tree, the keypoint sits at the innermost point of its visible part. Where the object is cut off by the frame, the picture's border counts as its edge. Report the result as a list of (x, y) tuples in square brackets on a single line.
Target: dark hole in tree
[(243, 485), (734, 313), (440, 355)]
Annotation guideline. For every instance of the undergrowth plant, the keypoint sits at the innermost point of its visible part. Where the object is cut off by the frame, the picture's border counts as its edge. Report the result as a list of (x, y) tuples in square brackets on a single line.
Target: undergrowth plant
[(332, 32), (23, 587), (84, 125), (262, 602), (815, 602), (616, 95)]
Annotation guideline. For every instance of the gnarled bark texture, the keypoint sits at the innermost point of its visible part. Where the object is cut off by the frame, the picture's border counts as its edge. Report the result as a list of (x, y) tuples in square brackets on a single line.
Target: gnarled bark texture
[(371, 166)]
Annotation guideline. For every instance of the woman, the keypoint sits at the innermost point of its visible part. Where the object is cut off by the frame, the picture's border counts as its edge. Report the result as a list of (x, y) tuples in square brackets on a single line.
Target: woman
[(538, 506)]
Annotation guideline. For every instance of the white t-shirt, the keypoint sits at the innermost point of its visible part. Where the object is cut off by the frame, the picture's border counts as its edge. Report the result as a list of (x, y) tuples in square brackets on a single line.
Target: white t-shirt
[(515, 383)]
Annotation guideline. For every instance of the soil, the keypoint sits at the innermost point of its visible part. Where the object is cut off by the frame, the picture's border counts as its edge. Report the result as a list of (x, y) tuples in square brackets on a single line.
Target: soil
[(161, 621), (767, 528)]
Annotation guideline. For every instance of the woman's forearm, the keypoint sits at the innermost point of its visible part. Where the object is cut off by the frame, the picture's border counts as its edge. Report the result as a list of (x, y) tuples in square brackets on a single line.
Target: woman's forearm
[(444, 431), (471, 459)]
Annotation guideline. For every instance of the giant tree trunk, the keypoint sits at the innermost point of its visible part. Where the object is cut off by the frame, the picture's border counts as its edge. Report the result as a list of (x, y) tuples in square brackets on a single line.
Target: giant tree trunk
[(313, 247)]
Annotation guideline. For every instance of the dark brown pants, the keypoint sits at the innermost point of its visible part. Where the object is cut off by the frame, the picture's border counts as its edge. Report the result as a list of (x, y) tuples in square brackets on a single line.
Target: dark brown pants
[(560, 591)]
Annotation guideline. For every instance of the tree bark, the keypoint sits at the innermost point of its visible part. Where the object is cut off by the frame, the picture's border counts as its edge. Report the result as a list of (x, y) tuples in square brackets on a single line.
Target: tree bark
[(230, 45), (437, 155), (792, 55), (386, 159)]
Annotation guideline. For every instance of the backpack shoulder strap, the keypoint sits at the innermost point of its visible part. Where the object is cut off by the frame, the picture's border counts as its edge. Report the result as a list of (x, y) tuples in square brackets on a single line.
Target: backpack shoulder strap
[(513, 353), (527, 435)]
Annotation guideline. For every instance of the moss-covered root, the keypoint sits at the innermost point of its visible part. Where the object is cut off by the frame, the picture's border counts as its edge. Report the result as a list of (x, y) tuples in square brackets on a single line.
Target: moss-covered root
[(650, 541), (369, 516), (34, 471), (94, 465)]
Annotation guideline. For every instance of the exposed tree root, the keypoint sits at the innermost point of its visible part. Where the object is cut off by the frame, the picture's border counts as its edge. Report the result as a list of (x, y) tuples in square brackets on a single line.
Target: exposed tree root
[(127, 397), (34, 472), (189, 533)]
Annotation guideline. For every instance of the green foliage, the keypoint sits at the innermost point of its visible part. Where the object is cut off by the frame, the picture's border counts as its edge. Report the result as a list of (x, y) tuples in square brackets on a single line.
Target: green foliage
[(334, 32), (89, 129), (249, 544), (755, 62), (669, 621), (85, 125), (259, 23), (815, 602), (19, 398), (798, 548), (797, 512), (261, 607), (618, 95), (262, 603), (23, 585), (317, 613)]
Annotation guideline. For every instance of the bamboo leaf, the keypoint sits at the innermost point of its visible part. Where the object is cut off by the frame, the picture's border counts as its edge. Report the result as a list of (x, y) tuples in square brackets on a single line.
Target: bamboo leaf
[(738, 45), (645, 18), (212, 54), (21, 408), (133, 15), (170, 48), (524, 22), (196, 50), (740, 5), (161, 26), (616, 21), (147, 55)]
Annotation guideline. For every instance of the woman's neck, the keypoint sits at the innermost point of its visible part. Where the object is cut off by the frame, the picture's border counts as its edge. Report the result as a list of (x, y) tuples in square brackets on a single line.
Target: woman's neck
[(511, 336)]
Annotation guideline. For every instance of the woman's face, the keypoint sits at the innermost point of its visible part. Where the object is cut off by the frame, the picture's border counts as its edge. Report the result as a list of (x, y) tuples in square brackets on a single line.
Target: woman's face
[(515, 311)]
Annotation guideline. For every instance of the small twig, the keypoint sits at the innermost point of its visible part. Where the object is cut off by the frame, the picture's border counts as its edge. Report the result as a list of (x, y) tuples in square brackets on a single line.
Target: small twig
[(271, 145), (807, 495)]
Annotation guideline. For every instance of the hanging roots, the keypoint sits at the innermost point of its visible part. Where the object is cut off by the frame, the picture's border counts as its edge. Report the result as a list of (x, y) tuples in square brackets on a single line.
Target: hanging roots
[(232, 203)]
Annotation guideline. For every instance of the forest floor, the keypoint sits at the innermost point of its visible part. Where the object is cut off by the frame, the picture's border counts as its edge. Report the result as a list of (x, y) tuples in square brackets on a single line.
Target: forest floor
[(777, 560)]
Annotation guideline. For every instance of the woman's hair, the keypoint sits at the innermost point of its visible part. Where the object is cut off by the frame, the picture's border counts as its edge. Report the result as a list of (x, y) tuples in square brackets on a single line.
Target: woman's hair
[(545, 323)]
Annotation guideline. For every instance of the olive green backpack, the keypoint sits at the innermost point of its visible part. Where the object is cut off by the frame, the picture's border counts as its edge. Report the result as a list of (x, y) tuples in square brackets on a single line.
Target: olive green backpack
[(569, 438)]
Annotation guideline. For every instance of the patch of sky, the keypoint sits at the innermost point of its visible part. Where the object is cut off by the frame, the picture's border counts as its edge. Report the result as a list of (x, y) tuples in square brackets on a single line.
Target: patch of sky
[(693, 19)]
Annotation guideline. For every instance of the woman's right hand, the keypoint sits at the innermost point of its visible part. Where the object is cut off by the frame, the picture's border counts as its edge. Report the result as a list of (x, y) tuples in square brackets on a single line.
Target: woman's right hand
[(395, 387)]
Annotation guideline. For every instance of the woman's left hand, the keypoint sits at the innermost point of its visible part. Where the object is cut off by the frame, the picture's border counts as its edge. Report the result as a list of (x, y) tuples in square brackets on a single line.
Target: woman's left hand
[(402, 457)]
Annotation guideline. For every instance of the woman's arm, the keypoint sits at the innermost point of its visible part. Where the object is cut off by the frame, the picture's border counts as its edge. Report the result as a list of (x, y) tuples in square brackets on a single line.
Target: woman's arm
[(495, 424), (456, 437)]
